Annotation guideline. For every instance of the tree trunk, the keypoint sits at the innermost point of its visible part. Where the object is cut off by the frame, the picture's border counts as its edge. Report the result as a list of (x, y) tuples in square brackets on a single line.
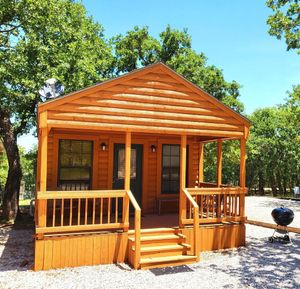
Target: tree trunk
[(279, 183), (14, 176), (261, 183), (273, 185)]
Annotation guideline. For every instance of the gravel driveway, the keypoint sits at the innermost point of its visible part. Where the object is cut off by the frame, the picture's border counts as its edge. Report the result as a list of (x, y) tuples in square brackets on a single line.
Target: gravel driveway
[(259, 265)]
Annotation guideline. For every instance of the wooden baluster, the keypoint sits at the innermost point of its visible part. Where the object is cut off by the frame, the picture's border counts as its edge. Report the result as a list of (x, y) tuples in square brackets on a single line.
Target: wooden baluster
[(86, 211), (78, 215), (190, 210), (53, 213), (219, 206), (236, 205), (213, 205), (201, 206), (94, 206), (108, 211), (230, 212), (101, 210), (71, 212), (116, 210), (62, 212), (233, 205), (225, 205)]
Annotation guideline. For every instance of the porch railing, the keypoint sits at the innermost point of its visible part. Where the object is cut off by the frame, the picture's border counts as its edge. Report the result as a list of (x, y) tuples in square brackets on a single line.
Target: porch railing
[(137, 229), (195, 219), (216, 205), (76, 211)]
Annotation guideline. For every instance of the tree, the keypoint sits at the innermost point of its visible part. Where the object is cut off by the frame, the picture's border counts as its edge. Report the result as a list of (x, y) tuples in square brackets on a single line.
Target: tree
[(285, 22), (138, 48), (38, 40), (29, 164), (274, 147)]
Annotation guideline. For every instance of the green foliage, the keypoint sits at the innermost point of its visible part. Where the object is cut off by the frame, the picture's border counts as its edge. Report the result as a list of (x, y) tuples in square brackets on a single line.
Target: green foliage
[(274, 146), (138, 48), (285, 22), (3, 170), (43, 39), (230, 162), (29, 163)]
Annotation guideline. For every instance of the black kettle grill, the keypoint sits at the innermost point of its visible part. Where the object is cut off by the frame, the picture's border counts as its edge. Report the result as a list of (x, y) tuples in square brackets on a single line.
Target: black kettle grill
[(282, 217)]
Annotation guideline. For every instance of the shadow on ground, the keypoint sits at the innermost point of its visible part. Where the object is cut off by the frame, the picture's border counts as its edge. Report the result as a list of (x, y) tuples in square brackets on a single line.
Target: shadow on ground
[(171, 270), (16, 245), (265, 265)]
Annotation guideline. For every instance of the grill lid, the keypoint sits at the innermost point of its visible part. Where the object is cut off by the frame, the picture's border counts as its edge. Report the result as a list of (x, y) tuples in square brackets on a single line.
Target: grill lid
[(282, 216)]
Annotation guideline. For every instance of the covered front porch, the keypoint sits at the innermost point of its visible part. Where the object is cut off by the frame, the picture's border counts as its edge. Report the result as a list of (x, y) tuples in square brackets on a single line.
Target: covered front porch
[(206, 207)]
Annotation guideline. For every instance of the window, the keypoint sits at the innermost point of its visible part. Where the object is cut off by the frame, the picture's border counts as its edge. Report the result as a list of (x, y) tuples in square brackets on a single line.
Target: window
[(75, 164), (170, 169), (121, 164)]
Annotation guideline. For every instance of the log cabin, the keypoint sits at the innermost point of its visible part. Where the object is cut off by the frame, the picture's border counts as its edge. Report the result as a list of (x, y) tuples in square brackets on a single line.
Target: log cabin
[(120, 174)]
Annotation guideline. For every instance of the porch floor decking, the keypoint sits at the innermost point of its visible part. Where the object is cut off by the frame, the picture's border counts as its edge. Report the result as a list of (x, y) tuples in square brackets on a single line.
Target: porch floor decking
[(149, 221)]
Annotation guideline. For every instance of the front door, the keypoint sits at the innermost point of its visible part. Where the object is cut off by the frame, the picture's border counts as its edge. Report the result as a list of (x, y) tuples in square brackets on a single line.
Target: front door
[(135, 169)]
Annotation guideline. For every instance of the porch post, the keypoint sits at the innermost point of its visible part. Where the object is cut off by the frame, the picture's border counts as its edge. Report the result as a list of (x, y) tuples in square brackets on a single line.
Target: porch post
[(219, 164), (127, 160), (182, 200), (201, 163), (242, 162), (42, 204), (242, 174), (127, 180)]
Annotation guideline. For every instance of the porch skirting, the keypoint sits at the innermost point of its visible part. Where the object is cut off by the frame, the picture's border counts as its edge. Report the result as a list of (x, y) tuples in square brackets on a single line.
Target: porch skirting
[(95, 248)]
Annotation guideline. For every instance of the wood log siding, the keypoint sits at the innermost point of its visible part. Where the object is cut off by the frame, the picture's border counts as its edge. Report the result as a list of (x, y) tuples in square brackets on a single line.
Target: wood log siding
[(153, 102), (103, 162)]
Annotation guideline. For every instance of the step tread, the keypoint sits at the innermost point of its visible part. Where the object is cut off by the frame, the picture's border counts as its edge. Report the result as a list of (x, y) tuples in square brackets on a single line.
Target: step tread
[(159, 237), (163, 247), (167, 259)]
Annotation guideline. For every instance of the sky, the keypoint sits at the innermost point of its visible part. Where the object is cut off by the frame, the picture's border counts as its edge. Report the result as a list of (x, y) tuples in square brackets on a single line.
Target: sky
[(233, 35)]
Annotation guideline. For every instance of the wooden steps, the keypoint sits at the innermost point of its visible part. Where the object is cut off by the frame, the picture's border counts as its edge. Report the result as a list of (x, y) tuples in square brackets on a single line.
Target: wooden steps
[(161, 247)]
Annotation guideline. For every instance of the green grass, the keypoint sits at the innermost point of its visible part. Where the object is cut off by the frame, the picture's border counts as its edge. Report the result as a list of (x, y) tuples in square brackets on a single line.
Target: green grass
[(24, 202)]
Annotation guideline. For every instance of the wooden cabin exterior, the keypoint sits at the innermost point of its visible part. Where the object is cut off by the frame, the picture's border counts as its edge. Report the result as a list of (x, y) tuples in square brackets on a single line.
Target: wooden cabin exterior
[(120, 174)]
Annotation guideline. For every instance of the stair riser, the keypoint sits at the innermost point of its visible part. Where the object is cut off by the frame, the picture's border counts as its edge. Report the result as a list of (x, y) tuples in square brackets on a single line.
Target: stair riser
[(164, 253), (156, 233), (162, 242)]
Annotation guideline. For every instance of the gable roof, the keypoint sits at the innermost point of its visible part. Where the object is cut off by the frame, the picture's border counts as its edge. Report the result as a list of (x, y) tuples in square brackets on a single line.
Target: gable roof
[(157, 89)]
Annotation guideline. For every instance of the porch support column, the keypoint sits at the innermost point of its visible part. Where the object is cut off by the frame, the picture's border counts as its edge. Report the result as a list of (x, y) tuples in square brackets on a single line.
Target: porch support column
[(127, 160), (242, 174), (201, 164), (182, 199), (219, 164), (242, 163), (127, 180), (42, 204)]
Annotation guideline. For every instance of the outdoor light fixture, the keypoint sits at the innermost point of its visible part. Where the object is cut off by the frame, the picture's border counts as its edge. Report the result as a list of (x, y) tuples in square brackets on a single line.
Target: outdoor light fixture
[(153, 148), (103, 146)]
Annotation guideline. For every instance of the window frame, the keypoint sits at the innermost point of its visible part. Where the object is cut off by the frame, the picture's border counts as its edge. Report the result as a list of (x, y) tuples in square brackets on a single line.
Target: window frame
[(161, 168), (71, 182)]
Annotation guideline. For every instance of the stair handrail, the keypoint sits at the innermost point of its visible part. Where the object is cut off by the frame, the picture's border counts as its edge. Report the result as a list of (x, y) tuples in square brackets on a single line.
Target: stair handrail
[(195, 221), (137, 229)]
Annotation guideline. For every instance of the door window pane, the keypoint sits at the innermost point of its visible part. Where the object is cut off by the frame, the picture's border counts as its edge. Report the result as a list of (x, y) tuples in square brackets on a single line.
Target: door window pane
[(121, 164)]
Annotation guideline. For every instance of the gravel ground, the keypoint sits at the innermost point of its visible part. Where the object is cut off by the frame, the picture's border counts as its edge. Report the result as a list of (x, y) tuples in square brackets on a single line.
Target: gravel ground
[(258, 265)]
